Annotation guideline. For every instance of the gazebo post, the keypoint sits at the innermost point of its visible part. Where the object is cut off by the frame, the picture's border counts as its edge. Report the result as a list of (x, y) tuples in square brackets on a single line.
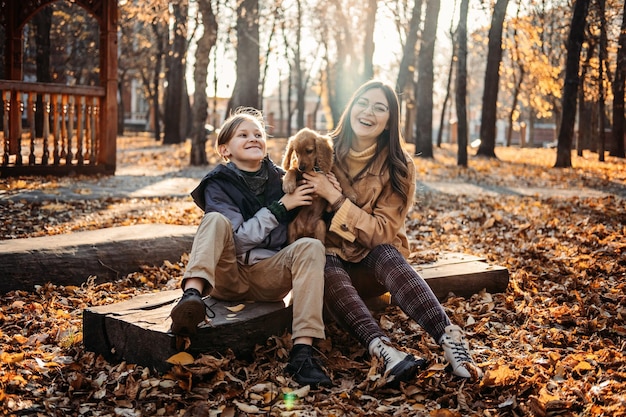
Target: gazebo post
[(108, 65)]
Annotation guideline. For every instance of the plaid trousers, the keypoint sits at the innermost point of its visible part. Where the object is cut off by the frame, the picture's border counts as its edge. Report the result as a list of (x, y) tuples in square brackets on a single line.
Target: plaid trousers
[(383, 269)]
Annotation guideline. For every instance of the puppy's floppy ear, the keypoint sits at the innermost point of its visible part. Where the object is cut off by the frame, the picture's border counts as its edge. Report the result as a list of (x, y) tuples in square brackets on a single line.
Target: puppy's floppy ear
[(288, 154), (324, 149)]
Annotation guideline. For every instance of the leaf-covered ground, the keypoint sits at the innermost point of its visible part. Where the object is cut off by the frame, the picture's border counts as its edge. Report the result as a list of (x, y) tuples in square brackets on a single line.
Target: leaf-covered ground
[(553, 344)]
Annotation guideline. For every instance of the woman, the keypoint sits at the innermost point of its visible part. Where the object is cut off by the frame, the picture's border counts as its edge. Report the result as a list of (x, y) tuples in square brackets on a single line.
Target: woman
[(367, 245), (240, 250)]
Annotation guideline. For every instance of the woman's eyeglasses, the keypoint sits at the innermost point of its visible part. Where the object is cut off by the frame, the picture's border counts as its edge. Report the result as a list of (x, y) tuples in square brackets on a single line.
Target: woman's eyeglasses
[(377, 108)]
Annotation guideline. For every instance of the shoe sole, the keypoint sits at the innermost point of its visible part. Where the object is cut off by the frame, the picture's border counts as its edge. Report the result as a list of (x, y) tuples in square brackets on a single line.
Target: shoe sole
[(302, 381), (326, 384), (313, 383), (406, 372), (186, 316)]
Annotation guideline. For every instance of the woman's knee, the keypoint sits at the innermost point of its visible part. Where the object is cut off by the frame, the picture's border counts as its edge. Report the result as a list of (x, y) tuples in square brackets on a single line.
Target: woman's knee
[(335, 274), (386, 251), (385, 247)]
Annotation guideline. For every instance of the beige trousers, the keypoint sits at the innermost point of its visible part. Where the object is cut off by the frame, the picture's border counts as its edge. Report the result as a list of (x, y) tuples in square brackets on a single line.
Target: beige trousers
[(298, 268)]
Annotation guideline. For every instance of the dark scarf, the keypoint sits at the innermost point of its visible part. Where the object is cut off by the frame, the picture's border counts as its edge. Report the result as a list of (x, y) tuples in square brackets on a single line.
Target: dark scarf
[(256, 181)]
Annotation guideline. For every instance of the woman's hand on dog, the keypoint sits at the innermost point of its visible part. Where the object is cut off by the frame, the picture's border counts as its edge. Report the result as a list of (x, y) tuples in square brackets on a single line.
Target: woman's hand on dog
[(324, 185), (302, 196)]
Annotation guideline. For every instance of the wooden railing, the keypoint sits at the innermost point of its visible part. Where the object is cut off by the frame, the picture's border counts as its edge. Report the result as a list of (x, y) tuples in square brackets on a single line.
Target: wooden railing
[(51, 129)]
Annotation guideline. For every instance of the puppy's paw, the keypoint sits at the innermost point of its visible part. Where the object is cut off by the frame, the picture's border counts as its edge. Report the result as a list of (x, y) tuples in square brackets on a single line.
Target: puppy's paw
[(289, 182), (288, 187)]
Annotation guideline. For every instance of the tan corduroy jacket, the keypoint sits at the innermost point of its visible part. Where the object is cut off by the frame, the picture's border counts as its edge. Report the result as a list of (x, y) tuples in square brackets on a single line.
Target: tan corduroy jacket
[(376, 218)]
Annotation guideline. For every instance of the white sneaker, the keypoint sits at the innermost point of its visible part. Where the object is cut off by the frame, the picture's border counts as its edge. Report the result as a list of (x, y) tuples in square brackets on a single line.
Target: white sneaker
[(399, 366), (456, 351)]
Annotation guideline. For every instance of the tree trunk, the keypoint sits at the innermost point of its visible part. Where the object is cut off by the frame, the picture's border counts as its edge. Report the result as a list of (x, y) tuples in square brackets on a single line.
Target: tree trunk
[(282, 113), (492, 79), (318, 106), (461, 85), (408, 55), (618, 93), (156, 76), (185, 111), (406, 70), (290, 107), (289, 87), (300, 83), (424, 90), (206, 41), (175, 76), (246, 89), (574, 45), (516, 93), (368, 46), (583, 139), (343, 76), (448, 84), (215, 120), (269, 50), (281, 107), (156, 102), (601, 61), (517, 82)]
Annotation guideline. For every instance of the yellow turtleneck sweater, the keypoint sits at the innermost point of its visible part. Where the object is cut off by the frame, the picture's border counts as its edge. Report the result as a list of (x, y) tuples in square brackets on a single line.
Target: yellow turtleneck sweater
[(356, 161)]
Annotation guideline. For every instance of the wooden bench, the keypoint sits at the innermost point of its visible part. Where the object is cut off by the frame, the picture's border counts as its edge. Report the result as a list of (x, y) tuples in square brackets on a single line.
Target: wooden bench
[(136, 330)]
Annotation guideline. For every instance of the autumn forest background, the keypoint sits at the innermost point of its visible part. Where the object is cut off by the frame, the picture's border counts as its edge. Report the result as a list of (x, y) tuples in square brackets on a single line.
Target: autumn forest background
[(481, 82), (504, 71)]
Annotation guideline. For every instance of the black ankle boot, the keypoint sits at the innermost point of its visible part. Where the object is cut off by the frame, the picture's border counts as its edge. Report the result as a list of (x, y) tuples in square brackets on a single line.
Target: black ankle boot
[(188, 313), (305, 369)]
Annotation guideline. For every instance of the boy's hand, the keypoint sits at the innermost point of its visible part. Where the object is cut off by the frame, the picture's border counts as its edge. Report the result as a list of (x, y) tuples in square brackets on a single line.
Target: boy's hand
[(302, 196)]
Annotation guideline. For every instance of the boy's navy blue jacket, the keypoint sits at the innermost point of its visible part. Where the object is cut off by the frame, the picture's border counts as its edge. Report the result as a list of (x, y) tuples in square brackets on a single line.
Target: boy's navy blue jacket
[(258, 233)]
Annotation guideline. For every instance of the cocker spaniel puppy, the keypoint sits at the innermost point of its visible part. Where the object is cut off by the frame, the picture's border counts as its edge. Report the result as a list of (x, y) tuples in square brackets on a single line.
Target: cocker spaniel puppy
[(309, 151)]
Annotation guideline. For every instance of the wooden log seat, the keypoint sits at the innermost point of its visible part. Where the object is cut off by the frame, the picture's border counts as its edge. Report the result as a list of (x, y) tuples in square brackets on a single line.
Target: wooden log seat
[(136, 330), (109, 254)]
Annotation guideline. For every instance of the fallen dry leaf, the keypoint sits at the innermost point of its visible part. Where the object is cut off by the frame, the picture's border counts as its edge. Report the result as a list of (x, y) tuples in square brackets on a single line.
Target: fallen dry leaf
[(237, 308), (181, 358)]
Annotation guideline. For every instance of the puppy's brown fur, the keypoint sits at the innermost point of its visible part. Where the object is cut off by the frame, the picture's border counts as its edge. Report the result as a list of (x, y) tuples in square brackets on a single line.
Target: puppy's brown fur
[(308, 151)]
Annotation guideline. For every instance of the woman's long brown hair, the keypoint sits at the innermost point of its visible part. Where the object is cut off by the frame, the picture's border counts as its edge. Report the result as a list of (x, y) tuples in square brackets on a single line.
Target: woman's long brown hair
[(343, 135)]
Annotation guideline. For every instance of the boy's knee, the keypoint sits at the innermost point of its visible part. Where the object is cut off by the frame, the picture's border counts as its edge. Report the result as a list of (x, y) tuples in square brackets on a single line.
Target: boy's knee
[(310, 244), (216, 219), (310, 241)]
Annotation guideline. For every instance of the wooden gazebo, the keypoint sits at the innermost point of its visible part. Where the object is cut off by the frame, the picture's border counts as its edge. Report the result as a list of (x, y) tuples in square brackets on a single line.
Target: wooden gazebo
[(79, 122)]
